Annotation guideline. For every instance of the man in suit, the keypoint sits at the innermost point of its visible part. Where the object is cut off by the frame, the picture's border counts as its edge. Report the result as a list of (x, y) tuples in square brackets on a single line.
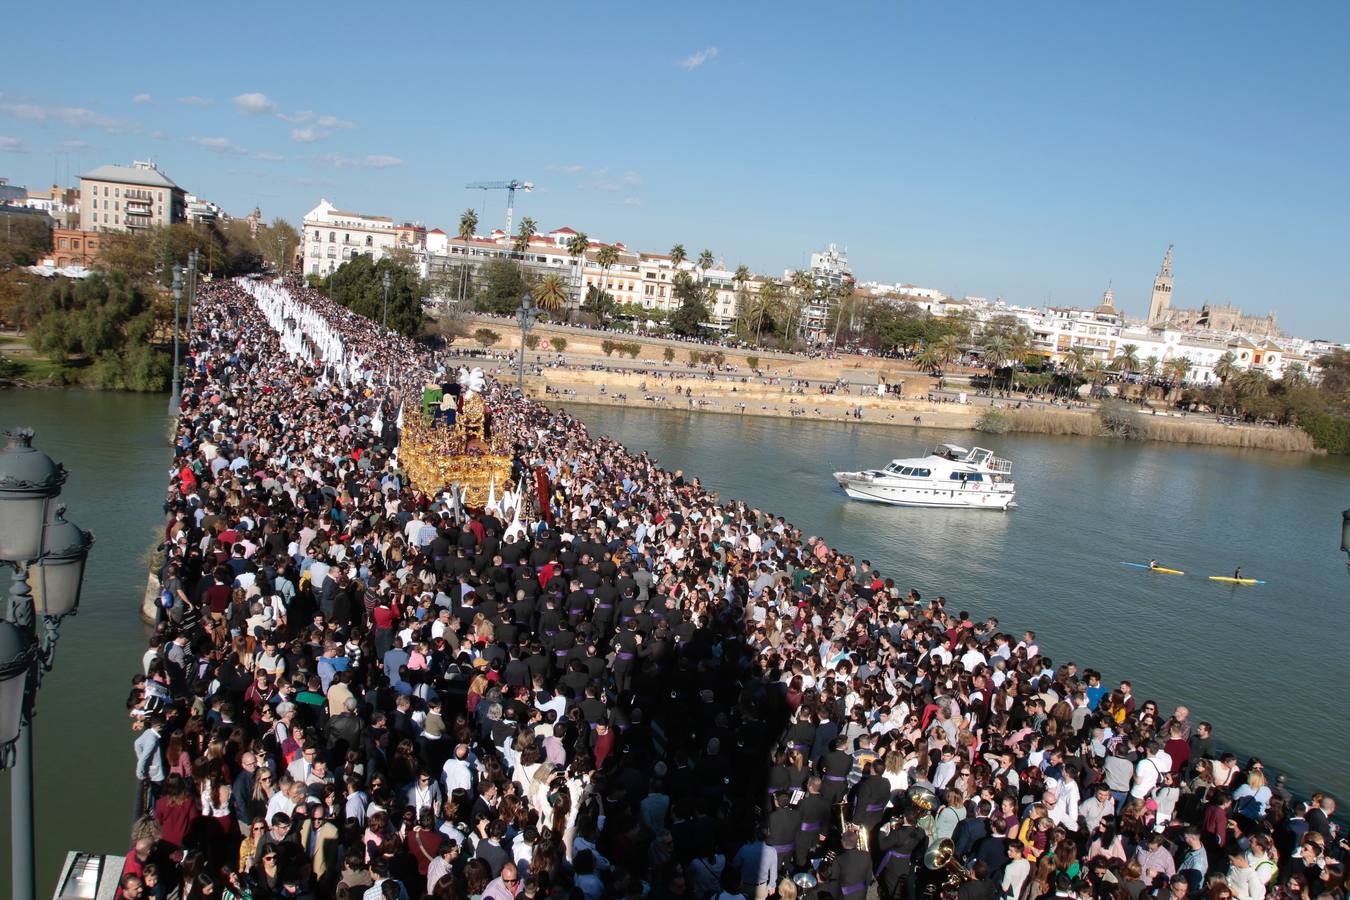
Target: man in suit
[(320, 839)]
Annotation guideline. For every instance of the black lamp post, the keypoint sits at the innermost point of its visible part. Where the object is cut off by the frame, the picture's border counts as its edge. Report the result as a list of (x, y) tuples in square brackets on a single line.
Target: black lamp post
[(526, 316), (47, 554), (176, 397), (384, 326)]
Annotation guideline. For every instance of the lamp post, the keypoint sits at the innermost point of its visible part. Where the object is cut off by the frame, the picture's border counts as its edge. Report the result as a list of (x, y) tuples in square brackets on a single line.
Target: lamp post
[(176, 397), (47, 554), (1345, 536), (191, 289), (526, 315), (384, 326)]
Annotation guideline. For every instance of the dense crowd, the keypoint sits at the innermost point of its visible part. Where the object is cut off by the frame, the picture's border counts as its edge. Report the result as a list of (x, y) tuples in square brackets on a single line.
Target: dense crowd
[(631, 688)]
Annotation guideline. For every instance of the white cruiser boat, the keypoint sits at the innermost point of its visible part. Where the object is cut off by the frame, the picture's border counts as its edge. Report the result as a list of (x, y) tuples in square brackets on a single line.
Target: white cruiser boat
[(948, 476)]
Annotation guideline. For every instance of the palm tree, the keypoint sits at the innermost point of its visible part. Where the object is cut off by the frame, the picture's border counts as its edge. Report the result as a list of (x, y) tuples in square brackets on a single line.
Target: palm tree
[(742, 275), (949, 348), (1127, 360), (677, 255), (606, 257), (1094, 370), (551, 293), (996, 350), (1251, 384), (1226, 367), (577, 245), (527, 231), (1075, 360), (764, 304), (1150, 370), (468, 224), (930, 359), (804, 286), (705, 262), (1294, 376), (1176, 370)]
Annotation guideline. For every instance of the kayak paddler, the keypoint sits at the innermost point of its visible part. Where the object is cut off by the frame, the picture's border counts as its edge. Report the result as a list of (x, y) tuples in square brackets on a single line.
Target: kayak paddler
[(1153, 564), (1237, 574)]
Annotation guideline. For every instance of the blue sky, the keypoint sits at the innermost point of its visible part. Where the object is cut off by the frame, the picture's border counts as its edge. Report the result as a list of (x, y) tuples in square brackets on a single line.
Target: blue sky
[(1030, 151)]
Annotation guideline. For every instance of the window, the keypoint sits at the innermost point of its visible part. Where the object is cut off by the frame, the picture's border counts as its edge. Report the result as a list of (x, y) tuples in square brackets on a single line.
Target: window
[(63, 244), (969, 476), (332, 237), (370, 242)]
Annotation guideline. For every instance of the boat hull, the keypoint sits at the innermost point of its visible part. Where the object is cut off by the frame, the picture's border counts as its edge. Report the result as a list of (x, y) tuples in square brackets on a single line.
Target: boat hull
[(936, 498)]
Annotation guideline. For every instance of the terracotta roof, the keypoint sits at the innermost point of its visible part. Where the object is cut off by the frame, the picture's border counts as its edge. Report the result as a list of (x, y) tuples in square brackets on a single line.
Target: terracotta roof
[(563, 230)]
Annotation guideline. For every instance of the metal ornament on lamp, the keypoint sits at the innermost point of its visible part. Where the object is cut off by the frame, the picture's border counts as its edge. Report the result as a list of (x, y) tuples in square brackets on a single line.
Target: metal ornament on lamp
[(526, 316), (48, 555)]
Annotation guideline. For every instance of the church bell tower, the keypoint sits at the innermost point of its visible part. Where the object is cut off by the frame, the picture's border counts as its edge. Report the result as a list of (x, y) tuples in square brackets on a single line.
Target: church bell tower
[(1162, 292)]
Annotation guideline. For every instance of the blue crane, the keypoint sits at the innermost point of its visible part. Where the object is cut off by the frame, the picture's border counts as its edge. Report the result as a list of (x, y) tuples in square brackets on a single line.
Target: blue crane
[(510, 187)]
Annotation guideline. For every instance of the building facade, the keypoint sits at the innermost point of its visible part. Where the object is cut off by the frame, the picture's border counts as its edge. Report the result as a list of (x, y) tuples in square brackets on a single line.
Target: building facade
[(1161, 300), (333, 236), (72, 247), (127, 198)]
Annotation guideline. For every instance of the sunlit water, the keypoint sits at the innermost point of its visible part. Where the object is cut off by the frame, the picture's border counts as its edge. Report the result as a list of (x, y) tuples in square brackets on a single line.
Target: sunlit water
[(1264, 664)]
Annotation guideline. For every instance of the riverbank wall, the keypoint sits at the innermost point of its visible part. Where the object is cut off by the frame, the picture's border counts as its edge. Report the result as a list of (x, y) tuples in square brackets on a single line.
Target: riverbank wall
[(755, 398), (1160, 428)]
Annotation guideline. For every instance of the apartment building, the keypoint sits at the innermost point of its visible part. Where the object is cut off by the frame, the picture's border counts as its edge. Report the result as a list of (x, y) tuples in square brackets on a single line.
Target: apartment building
[(126, 198), (333, 236)]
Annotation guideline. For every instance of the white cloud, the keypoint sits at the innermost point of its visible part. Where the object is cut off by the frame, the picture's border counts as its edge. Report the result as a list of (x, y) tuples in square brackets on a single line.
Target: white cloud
[(698, 59), (194, 100), (602, 180), (370, 161), (335, 122), (304, 135), (570, 169), (299, 118), (12, 145), (73, 116), (632, 201), (74, 144), (269, 157), (219, 145), (142, 98), (254, 103)]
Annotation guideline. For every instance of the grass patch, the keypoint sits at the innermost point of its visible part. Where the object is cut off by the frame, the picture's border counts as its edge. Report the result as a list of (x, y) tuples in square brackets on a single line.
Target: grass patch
[(1155, 428)]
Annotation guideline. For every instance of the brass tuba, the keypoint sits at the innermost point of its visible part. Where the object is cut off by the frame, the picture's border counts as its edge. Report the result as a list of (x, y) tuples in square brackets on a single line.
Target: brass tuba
[(942, 857), (922, 797)]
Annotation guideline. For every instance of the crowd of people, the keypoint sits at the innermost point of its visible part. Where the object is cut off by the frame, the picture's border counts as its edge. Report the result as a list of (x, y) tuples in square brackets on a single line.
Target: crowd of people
[(631, 688)]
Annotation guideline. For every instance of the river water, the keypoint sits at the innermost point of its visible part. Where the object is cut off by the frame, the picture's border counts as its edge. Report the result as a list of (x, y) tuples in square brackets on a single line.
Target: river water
[(115, 447), (1264, 664)]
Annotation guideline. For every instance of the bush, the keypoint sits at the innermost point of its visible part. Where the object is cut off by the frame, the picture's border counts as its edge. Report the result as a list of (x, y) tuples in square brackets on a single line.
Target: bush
[(992, 421), (1328, 432), (558, 343), (752, 362), (668, 354), (608, 346), (486, 336), (1119, 419), (695, 357), (532, 341)]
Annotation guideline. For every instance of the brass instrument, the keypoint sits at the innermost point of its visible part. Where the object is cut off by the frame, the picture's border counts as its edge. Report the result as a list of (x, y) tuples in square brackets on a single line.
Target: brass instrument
[(922, 797), (942, 857)]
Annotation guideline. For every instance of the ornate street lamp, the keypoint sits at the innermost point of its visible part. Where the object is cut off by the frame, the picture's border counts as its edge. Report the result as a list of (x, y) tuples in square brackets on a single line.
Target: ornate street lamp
[(384, 326), (175, 399), (48, 555), (526, 316), (1345, 536)]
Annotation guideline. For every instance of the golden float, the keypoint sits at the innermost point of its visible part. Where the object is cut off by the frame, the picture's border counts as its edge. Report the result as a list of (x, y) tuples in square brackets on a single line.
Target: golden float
[(464, 454)]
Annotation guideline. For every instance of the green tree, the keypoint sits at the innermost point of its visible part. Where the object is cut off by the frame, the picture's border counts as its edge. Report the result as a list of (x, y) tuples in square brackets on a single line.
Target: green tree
[(24, 239), (527, 231), (668, 355), (358, 284), (705, 262), (486, 336), (929, 359), (600, 304), (558, 343), (1226, 367), (468, 224), (551, 293), (606, 257), (532, 341), (277, 243), (128, 253), (677, 256), (577, 245), (502, 283), (690, 316)]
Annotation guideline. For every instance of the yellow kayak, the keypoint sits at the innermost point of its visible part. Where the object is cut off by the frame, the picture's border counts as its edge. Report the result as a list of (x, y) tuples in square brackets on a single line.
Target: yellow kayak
[(1231, 580), (1154, 568)]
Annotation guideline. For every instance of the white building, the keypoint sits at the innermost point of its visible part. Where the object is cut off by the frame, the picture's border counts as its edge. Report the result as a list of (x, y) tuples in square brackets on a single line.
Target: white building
[(333, 236)]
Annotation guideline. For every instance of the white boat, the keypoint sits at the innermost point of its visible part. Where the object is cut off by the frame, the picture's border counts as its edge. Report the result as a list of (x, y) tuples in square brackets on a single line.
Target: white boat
[(948, 476)]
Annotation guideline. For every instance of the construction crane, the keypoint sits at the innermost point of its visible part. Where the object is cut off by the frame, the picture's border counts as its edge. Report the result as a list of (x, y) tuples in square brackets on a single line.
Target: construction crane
[(510, 187)]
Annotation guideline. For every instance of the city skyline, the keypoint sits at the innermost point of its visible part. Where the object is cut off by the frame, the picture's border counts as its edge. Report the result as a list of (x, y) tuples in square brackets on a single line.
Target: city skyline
[(1034, 154)]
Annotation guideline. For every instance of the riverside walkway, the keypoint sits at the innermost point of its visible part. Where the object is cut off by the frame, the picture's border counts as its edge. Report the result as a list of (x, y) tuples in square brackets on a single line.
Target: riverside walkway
[(612, 684)]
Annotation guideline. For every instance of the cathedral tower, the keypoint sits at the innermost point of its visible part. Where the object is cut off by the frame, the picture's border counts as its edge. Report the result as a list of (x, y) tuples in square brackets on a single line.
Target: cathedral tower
[(1162, 292)]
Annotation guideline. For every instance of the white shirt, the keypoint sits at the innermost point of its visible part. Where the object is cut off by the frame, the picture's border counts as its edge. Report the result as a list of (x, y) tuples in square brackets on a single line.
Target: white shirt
[(457, 774)]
